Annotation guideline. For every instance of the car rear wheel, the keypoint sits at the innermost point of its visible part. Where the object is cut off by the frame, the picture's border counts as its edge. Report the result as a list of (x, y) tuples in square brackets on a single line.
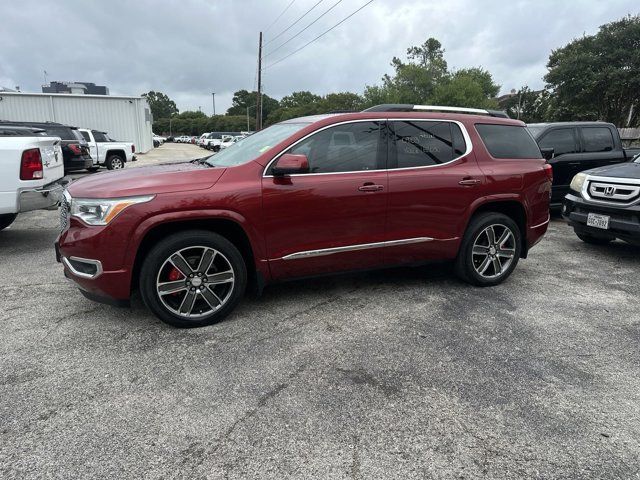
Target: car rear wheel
[(6, 220), (115, 162), (490, 250), (193, 279), (593, 239)]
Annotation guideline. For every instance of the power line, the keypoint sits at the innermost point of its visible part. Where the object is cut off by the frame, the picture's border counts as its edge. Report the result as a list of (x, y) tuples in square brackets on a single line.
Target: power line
[(279, 16), (319, 36), (282, 45), (289, 27)]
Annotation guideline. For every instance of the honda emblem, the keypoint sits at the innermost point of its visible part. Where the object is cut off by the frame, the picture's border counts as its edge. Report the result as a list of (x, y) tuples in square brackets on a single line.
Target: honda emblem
[(609, 191)]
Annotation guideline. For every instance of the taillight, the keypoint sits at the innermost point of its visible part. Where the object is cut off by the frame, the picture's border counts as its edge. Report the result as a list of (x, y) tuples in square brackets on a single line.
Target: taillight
[(31, 165), (133, 148), (548, 169), (75, 148)]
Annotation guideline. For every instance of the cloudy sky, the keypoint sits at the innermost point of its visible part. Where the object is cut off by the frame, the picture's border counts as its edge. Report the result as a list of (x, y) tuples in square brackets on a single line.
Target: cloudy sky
[(190, 48)]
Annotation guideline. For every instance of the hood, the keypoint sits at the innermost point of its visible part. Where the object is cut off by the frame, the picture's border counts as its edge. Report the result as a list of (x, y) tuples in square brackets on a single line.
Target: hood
[(128, 182), (619, 170)]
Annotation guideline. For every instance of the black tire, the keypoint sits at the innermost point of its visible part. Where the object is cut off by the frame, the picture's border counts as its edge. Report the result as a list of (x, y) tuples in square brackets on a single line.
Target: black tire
[(468, 263), (115, 162), (592, 239), (6, 220), (93, 169), (155, 265)]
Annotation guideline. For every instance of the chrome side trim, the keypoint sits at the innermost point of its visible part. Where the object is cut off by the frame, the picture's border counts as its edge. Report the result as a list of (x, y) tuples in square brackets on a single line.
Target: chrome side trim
[(352, 248), (542, 224), (97, 263), (465, 135)]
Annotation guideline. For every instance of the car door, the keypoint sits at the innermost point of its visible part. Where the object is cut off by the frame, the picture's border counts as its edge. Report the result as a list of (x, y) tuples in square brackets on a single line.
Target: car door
[(433, 178), (332, 218), (599, 147), (567, 159)]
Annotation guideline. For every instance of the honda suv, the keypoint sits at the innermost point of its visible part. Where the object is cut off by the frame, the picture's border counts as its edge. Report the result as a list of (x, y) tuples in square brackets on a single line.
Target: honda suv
[(393, 185)]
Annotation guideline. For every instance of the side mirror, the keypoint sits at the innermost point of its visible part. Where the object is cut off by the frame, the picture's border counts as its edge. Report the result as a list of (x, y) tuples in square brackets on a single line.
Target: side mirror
[(289, 164), (547, 153)]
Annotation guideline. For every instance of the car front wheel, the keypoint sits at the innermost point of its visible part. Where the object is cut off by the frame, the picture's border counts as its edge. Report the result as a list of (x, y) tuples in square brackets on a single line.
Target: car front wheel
[(193, 279), (490, 250)]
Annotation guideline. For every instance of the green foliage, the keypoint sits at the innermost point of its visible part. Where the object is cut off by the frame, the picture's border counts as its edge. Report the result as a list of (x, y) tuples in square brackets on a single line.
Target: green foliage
[(161, 106), (597, 77), (243, 99), (530, 106), (197, 125), (472, 88)]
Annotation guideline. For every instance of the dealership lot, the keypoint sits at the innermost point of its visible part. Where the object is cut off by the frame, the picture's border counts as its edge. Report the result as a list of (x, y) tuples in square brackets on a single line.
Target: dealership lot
[(404, 373)]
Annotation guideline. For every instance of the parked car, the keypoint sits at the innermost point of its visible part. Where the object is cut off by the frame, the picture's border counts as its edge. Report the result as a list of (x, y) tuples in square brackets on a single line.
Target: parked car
[(31, 171), (393, 185), (573, 147), (604, 204), (74, 147), (158, 140), (214, 140), (106, 151), (202, 139)]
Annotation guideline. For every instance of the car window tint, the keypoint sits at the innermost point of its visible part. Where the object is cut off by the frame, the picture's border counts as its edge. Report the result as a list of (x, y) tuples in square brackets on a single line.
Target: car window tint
[(561, 140), (422, 143), (597, 139), (86, 136), (508, 141), (62, 132), (350, 147)]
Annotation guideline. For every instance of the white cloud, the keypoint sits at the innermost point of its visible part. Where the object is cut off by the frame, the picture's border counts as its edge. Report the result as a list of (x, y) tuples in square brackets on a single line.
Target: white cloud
[(188, 49)]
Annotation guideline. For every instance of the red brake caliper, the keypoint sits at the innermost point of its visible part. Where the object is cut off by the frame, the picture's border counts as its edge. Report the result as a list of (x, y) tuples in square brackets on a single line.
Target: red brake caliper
[(175, 275)]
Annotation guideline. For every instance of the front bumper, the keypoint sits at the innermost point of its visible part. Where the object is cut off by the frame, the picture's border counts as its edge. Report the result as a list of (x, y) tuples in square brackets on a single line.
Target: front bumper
[(624, 222), (46, 197)]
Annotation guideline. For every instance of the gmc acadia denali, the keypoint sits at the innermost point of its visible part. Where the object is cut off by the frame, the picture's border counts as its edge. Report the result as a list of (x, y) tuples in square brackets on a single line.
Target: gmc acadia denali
[(393, 185)]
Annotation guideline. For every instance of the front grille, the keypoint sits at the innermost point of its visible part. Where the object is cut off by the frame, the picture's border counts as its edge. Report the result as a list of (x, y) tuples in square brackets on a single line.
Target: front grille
[(614, 192), (64, 213)]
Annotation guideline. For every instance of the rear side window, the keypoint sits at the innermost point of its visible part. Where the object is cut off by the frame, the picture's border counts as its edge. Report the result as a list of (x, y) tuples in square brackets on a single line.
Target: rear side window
[(100, 137), (422, 143), (351, 147), (508, 141), (597, 139), (62, 132), (561, 140)]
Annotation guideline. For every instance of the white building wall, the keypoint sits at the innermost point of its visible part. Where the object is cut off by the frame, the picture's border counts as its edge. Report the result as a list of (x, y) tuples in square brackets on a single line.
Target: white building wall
[(124, 118)]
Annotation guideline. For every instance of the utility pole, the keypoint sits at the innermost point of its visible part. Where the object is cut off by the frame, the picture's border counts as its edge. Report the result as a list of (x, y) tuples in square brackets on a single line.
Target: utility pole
[(213, 95), (259, 97)]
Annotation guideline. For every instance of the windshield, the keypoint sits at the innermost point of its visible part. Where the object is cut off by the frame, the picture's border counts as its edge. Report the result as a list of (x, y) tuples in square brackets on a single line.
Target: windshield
[(251, 147)]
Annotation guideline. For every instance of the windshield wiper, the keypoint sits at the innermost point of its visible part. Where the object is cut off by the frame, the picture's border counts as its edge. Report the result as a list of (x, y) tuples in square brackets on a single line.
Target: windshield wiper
[(202, 161)]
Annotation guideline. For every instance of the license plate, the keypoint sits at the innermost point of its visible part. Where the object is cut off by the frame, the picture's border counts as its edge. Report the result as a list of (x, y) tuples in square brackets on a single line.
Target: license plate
[(598, 221)]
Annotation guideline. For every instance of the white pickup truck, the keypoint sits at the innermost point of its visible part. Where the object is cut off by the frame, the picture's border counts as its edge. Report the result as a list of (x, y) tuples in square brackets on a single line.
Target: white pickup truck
[(31, 172), (107, 152)]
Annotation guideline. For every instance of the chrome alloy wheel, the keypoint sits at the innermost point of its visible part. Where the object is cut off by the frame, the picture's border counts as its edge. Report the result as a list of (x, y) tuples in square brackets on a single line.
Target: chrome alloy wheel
[(195, 282), (117, 163), (493, 251)]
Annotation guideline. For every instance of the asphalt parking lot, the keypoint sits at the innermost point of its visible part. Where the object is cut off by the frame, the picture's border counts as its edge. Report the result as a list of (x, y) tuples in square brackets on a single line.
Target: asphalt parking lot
[(403, 373)]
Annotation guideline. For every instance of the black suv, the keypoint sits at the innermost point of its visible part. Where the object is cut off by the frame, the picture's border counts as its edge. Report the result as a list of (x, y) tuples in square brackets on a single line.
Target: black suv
[(604, 204), (573, 147), (75, 149)]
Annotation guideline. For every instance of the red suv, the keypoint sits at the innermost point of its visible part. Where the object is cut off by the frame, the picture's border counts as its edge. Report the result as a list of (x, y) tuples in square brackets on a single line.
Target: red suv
[(393, 185)]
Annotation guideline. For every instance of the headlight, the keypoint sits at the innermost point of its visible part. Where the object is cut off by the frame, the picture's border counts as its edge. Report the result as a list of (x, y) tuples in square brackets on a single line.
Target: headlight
[(99, 211), (578, 182)]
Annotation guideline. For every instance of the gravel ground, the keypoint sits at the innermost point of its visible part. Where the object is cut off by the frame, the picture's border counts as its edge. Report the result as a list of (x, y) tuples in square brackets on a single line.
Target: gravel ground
[(404, 373)]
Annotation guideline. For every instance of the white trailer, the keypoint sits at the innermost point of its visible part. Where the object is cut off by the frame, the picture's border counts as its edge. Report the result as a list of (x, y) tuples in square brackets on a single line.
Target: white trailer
[(127, 119)]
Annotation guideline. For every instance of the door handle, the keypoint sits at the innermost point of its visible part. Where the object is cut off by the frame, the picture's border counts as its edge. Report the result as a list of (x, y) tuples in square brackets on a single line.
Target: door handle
[(370, 187), (469, 181)]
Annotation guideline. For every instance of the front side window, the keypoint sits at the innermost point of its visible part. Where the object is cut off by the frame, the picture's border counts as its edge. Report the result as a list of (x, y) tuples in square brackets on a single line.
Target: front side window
[(85, 135), (350, 147), (597, 139), (422, 143), (561, 140), (508, 141)]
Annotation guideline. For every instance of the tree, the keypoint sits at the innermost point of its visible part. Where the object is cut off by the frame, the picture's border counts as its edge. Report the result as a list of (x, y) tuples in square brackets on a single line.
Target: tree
[(597, 77), (471, 87), (529, 106), (161, 106), (243, 99)]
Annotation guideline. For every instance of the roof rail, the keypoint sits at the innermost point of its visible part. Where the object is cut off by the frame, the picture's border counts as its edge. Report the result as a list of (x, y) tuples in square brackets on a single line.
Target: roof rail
[(407, 107)]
